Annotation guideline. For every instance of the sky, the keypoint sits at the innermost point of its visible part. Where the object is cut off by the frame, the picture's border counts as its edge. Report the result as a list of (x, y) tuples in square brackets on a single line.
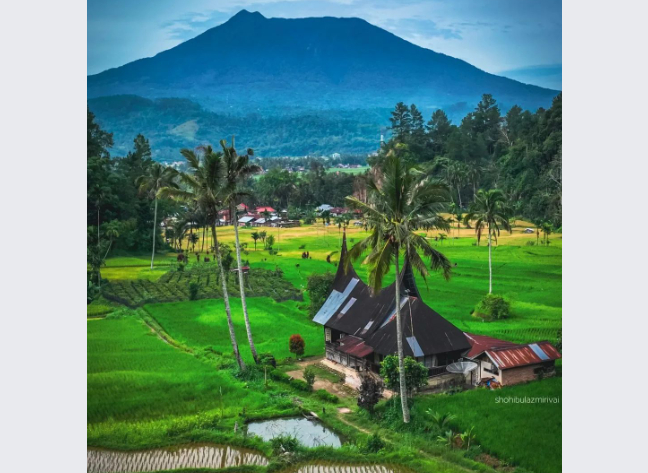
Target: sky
[(520, 39)]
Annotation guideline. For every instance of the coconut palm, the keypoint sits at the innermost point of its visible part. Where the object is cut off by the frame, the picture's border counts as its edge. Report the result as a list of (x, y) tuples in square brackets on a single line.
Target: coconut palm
[(204, 185), (158, 177), (238, 168), (112, 233), (404, 201), (255, 236), (488, 211), (547, 229)]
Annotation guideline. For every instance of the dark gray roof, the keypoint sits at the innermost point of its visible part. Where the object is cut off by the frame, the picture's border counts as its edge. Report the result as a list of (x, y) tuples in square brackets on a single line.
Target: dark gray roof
[(352, 308)]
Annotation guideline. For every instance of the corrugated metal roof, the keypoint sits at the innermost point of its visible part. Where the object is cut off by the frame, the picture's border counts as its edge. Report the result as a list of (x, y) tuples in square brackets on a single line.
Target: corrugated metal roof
[(354, 346), (522, 355), (333, 303), (538, 351), (480, 343), (245, 219), (414, 345)]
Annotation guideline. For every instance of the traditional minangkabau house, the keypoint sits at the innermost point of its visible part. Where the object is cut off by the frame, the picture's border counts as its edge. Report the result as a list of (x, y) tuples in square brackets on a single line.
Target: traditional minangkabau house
[(512, 363), (360, 327)]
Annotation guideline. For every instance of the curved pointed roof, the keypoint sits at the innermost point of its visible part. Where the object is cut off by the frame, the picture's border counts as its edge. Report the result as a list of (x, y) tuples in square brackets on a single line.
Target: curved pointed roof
[(352, 308)]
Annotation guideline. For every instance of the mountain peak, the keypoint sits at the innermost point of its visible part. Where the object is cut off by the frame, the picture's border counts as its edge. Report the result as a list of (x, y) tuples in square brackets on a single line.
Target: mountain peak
[(245, 15)]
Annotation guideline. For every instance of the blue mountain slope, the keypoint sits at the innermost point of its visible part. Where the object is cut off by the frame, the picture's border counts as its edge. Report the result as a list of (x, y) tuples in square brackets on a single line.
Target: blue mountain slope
[(278, 66)]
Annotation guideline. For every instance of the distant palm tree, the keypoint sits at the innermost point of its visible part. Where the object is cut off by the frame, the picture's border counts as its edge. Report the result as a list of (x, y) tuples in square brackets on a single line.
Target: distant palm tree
[(402, 203), (266, 214), (157, 178), (193, 239), (255, 236), (112, 233), (487, 210), (442, 236), (204, 184), (237, 169), (263, 234), (547, 229)]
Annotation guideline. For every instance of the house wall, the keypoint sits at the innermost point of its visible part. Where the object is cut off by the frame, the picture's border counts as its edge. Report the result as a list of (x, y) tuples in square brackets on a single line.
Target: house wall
[(484, 365), (521, 374), (524, 374)]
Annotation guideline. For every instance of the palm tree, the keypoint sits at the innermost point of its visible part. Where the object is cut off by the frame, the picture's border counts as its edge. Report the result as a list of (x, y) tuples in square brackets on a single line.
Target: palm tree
[(547, 229), (403, 202), (263, 235), (488, 211), (157, 178), (204, 185), (255, 236), (112, 232), (237, 169), (266, 214)]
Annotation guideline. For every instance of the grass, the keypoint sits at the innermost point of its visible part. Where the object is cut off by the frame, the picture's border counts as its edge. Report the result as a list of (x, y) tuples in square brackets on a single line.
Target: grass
[(202, 324), (140, 389), (524, 434), (133, 375)]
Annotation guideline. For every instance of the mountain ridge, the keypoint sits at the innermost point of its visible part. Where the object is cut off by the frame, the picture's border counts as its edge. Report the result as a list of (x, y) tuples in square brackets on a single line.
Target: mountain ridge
[(319, 63)]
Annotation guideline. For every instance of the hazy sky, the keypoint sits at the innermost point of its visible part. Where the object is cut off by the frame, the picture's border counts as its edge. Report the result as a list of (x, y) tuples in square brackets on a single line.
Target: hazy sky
[(521, 39)]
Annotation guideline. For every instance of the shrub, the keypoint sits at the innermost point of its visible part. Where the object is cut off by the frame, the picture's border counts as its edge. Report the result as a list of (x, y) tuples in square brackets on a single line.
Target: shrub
[(374, 444), (324, 395), (492, 307), (309, 375), (194, 287), (416, 374), (279, 376), (267, 359), (297, 345), (300, 385), (284, 443), (370, 391)]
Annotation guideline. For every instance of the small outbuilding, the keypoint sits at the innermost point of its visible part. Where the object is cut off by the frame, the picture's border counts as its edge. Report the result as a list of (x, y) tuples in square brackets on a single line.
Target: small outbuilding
[(512, 363)]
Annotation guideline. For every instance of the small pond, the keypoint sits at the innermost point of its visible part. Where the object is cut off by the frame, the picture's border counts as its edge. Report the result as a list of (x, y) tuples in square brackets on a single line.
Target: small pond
[(310, 433)]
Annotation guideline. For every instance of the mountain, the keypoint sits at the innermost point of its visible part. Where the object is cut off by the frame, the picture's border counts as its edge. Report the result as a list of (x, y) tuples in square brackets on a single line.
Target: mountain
[(289, 67)]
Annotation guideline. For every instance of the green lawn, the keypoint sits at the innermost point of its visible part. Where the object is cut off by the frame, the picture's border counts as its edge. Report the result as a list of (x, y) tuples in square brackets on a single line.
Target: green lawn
[(202, 324), (525, 434)]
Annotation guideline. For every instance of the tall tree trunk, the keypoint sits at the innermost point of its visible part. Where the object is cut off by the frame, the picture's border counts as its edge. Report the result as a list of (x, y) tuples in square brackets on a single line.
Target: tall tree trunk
[(399, 341), (248, 329), (459, 195), (202, 246), (490, 264), (154, 228), (228, 311), (98, 246)]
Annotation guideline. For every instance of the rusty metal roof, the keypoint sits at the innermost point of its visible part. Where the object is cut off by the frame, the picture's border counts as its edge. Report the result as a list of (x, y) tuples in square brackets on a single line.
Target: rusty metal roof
[(354, 346), (510, 355), (481, 343)]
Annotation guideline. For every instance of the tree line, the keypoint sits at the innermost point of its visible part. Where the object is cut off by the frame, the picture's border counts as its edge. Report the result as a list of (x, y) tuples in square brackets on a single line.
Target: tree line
[(519, 152)]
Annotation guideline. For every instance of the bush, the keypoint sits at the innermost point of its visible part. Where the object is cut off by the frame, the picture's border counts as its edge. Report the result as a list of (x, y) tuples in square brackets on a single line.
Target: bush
[(194, 287), (279, 376), (374, 444), (324, 395), (267, 359), (284, 443), (300, 385), (309, 375), (297, 345), (493, 307)]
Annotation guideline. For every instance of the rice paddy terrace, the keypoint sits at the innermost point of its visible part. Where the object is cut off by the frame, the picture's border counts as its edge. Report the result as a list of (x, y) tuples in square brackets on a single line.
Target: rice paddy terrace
[(160, 365)]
